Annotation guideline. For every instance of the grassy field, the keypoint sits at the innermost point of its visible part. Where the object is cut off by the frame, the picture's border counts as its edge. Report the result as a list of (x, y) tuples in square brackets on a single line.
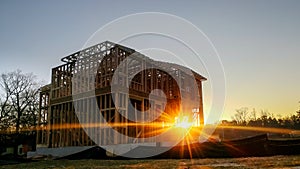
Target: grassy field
[(251, 162)]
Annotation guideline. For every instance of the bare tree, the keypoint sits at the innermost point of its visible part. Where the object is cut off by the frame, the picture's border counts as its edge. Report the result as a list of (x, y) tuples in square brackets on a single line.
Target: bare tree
[(253, 115), (5, 109), (241, 116), (20, 101), (298, 112)]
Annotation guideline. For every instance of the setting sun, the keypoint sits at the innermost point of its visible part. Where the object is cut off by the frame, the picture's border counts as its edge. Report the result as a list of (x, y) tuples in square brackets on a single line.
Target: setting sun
[(183, 122)]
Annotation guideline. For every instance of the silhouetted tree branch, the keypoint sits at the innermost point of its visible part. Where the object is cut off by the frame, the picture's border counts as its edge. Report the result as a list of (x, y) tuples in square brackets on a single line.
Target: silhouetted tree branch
[(241, 116), (266, 119), (20, 101)]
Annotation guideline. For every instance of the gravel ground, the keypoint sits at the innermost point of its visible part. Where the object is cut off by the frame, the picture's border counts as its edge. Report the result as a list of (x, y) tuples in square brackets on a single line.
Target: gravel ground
[(237, 163)]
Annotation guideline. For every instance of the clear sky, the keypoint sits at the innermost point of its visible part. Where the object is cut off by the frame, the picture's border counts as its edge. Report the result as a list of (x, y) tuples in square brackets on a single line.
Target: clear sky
[(258, 41)]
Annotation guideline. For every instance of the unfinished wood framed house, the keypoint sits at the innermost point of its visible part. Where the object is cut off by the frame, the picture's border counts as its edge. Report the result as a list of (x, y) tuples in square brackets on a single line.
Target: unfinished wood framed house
[(118, 84)]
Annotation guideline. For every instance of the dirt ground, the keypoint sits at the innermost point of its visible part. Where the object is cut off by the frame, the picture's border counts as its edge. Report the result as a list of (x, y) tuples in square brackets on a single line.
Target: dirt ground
[(237, 163)]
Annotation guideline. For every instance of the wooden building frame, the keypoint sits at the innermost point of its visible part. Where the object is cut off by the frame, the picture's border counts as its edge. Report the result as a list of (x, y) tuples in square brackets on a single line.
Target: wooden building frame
[(89, 73)]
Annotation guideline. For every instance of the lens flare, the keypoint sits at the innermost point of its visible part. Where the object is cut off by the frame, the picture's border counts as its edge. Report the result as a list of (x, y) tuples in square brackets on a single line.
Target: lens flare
[(183, 122)]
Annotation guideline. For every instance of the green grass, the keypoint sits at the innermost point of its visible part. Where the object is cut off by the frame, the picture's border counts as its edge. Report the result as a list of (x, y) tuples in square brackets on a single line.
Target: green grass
[(251, 162)]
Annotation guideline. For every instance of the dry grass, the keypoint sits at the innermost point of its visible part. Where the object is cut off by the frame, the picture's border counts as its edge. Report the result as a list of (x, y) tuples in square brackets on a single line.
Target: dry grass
[(251, 162)]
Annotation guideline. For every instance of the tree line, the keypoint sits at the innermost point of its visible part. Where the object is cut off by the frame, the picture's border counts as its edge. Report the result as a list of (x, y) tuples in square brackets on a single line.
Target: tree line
[(19, 102), (244, 117)]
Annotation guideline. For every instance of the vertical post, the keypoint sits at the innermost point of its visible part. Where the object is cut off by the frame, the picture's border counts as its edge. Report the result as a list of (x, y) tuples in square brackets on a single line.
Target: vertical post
[(38, 131), (117, 120), (68, 124), (201, 104), (136, 126), (143, 121), (126, 119), (105, 135)]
